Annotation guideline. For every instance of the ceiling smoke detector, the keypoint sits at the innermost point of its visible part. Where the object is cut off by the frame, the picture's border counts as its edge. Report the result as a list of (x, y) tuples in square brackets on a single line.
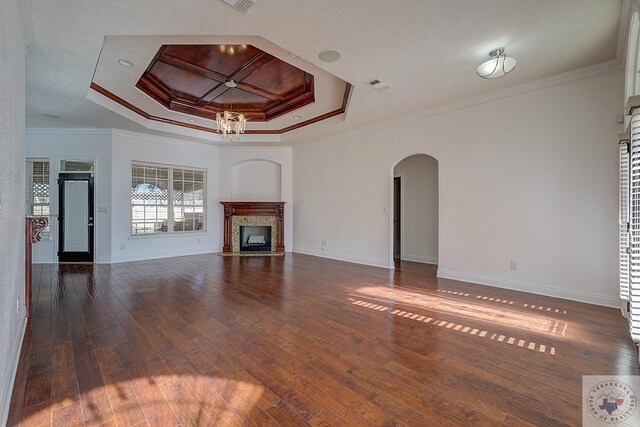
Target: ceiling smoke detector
[(378, 84), (240, 5)]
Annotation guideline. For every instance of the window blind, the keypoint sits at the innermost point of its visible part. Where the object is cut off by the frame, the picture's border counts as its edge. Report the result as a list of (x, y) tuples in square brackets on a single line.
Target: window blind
[(624, 220), (37, 189), (634, 212), (166, 199)]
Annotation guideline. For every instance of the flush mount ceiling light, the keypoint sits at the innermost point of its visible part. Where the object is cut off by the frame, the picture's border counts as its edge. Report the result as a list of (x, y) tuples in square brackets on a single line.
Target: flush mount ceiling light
[(240, 5), (498, 66), (329, 55), (125, 63)]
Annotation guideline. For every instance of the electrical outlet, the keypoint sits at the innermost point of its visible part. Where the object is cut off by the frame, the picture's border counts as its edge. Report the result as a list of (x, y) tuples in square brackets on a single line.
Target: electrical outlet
[(514, 265), (17, 305)]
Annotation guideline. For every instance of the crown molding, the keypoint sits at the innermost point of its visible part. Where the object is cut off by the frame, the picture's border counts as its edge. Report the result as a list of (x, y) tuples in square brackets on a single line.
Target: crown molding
[(68, 131), (164, 140), (610, 66)]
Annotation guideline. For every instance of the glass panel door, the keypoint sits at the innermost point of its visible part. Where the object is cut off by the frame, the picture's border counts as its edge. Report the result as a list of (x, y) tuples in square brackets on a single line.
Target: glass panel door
[(76, 217), (76, 208)]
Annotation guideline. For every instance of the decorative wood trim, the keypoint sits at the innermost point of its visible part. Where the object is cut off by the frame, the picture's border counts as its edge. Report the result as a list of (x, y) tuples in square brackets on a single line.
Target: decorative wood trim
[(343, 109), (115, 98), (253, 209), (174, 68)]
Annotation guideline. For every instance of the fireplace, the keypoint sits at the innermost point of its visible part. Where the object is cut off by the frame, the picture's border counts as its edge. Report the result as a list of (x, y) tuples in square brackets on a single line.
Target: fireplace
[(255, 238), (264, 221)]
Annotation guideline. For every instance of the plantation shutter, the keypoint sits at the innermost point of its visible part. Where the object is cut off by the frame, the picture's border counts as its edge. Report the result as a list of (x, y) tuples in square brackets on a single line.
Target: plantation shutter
[(624, 220), (634, 212)]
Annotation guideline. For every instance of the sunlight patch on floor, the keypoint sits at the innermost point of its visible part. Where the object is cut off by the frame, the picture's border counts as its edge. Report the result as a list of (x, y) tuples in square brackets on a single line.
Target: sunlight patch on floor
[(513, 341), (472, 310), (194, 399)]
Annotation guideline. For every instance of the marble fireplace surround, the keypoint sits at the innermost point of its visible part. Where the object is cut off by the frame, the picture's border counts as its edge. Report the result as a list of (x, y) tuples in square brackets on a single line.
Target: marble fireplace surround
[(253, 213)]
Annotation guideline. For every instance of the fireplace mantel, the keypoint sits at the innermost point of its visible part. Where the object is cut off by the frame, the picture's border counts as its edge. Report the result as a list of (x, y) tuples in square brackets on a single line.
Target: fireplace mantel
[(274, 209)]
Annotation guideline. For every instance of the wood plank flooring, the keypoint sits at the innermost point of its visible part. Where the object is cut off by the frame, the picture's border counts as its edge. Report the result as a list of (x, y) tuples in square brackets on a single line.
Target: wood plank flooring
[(298, 341)]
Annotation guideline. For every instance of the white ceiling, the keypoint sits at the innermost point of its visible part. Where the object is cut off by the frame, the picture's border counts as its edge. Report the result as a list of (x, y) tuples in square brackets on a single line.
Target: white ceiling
[(427, 50)]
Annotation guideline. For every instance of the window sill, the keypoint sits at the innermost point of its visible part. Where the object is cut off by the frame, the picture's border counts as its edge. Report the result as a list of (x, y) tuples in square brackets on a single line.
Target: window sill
[(157, 235)]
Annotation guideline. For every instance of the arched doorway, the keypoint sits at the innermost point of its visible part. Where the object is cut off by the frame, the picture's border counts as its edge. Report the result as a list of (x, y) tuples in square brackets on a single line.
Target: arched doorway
[(414, 214)]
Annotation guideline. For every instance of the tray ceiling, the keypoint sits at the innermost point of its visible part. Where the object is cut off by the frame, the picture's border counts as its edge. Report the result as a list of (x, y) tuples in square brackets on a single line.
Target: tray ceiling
[(180, 83)]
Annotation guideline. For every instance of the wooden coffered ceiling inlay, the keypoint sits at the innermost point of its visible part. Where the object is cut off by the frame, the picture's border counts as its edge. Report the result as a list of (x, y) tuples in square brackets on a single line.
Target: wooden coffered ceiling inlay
[(191, 79)]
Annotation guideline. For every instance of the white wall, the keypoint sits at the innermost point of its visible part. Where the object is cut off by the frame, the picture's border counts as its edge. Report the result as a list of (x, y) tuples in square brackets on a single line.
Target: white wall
[(419, 210), (530, 178), (128, 147), (75, 144), (232, 157), (263, 173), (12, 181), (256, 180)]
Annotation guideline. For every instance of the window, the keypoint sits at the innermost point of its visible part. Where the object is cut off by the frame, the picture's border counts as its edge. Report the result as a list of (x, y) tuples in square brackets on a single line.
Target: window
[(632, 206), (38, 189), (76, 166), (165, 199)]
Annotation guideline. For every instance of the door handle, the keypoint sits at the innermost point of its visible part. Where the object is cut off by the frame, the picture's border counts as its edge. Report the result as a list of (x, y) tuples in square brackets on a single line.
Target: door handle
[(90, 224)]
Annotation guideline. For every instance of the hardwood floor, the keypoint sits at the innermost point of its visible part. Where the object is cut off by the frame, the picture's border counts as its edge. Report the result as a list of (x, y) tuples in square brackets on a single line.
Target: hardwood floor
[(299, 340)]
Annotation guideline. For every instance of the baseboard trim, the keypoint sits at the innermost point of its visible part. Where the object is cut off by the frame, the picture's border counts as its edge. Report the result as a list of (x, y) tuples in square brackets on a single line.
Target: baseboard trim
[(533, 288), (341, 257), (13, 366), (420, 258)]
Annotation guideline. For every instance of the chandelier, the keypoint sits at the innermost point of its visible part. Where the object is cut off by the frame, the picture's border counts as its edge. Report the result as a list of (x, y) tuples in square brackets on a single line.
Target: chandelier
[(230, 122)]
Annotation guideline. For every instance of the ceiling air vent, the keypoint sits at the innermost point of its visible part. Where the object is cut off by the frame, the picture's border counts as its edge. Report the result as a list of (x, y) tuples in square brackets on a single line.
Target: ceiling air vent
[(240, 5), (378, 84)]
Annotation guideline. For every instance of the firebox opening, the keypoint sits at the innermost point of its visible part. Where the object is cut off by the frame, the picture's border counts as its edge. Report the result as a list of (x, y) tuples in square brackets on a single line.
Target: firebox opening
[(255, 238)]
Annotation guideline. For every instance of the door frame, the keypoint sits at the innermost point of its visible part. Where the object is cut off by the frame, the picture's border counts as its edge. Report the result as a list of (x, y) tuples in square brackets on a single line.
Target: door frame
[(401, 219), (76, 256), (389, 208)]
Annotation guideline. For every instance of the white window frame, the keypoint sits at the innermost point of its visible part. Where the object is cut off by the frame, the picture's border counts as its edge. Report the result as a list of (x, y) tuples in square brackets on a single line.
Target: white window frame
[(170, 205)]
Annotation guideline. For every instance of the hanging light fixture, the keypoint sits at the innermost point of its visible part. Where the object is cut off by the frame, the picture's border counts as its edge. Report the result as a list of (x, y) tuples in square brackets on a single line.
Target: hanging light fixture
[(499, 65), (230, 122)]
